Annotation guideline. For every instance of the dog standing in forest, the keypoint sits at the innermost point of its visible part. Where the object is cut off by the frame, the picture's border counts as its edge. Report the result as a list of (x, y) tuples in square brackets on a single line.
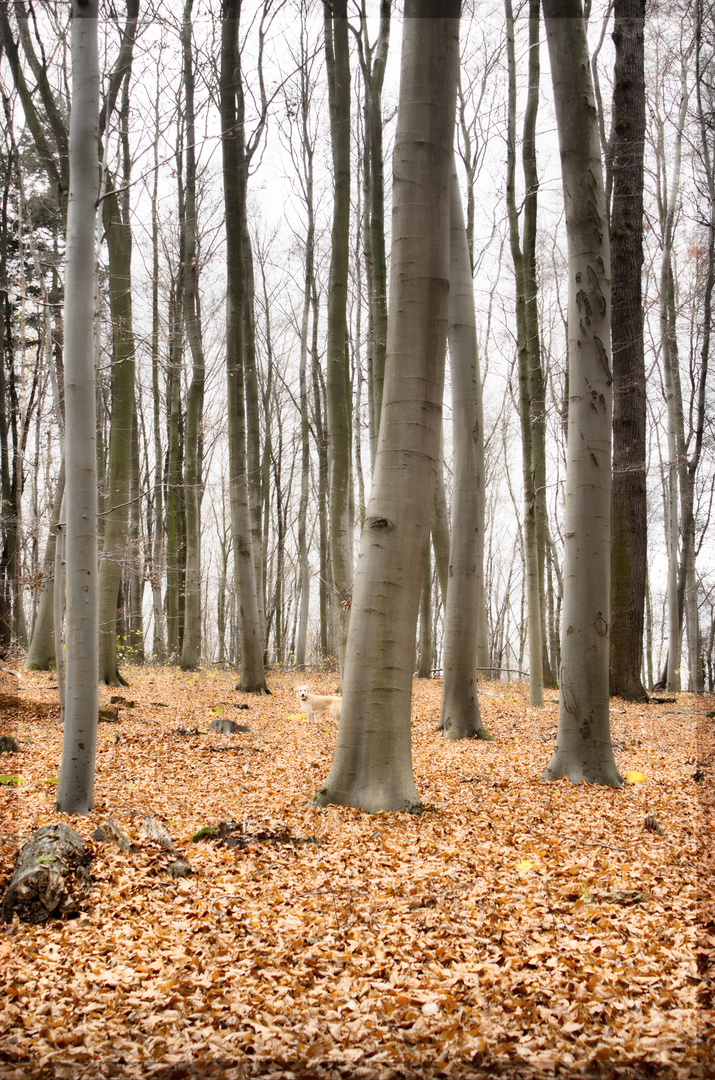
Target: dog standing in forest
[(317, 703)]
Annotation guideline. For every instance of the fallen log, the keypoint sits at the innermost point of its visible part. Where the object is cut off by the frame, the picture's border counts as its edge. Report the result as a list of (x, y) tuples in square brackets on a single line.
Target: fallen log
[(50, 875)]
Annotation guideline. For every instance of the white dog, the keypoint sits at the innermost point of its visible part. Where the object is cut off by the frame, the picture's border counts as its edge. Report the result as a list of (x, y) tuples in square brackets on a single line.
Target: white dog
[(316, 703)]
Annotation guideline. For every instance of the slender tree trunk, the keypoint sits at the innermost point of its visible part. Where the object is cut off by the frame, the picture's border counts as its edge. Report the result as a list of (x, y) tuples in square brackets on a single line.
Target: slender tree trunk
[(42, 652), (583, 747), (120, 448), (440, 526), (234, 180), (319, 424), (175, 552), (75, 793), (338, 373), (372, 767), (159, 649), (460, 716), (629, 542), (191, 645), (309, 285), (374, 77), (425, 650), (673, 397), (527, 342)]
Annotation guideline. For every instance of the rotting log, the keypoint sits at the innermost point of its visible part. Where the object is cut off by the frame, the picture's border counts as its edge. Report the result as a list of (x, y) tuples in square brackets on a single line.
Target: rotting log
[(50, 875)]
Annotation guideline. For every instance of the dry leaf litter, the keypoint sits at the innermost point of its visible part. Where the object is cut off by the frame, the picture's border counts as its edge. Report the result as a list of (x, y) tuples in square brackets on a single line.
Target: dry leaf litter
[(514, 928)]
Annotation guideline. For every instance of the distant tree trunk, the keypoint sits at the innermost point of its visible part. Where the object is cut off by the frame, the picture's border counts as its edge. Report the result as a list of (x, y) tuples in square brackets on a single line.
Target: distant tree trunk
[(583, 747), (460, 716), (372, 767), (440, 526), (75, 793), (191, 645), (673, 396), (321, 441), (157, 548), (373, 70), (135, 572), (42, 651), (527, 339), (338, 372), (425, 650), (175, 551), (120, 462), (629, 541), (234, 180), (308, 149)]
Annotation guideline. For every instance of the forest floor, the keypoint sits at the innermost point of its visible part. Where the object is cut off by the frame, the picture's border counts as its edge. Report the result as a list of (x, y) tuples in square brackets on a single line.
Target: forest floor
[(516, 928)]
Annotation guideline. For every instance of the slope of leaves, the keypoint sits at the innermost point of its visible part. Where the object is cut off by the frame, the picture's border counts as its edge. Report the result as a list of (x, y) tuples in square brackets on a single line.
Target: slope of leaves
[(515, 928)]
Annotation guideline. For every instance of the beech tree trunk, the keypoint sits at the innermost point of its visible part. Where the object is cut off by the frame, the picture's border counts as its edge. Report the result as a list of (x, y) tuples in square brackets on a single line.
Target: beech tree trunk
[(527, 343), (583, 747), (42, 652), (460, 716), (629, 542), (252, 677), (75, 793), (372, 767), (191, 644), (339, 397), (114, 544)]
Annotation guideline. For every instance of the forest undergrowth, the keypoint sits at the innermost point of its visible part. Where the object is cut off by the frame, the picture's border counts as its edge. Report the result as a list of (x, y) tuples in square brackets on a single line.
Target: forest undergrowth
[(515, 928)]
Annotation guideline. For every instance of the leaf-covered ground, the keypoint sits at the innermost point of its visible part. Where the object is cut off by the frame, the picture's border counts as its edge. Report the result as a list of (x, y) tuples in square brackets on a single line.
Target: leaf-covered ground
[(516, 928)]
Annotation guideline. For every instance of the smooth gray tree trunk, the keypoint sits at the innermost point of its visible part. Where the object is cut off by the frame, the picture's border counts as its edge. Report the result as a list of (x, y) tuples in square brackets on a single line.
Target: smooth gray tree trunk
[(337, 380), (583, 747), (42, 651), (75, 793), (253, 677), (460, 716), (372, 767), (191, 644)]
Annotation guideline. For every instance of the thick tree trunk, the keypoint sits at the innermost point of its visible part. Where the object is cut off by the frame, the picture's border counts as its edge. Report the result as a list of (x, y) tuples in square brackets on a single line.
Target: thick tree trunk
[(629, 541), (460, 716), (372, 767), (583, 747), (76, 782)]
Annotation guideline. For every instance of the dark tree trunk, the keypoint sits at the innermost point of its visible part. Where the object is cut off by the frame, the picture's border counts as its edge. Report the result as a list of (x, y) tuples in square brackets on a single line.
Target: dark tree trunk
[(629, 521)]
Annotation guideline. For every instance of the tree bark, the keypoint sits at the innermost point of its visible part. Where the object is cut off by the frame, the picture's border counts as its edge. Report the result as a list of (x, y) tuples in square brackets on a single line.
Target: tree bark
[(338, 374), (120, 445), (372, 767), (629, 540), (527, 343), (42, 652), (191, 644), (583, 747), (38, 889), (234, 180), (460, 715), (76, 782)]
